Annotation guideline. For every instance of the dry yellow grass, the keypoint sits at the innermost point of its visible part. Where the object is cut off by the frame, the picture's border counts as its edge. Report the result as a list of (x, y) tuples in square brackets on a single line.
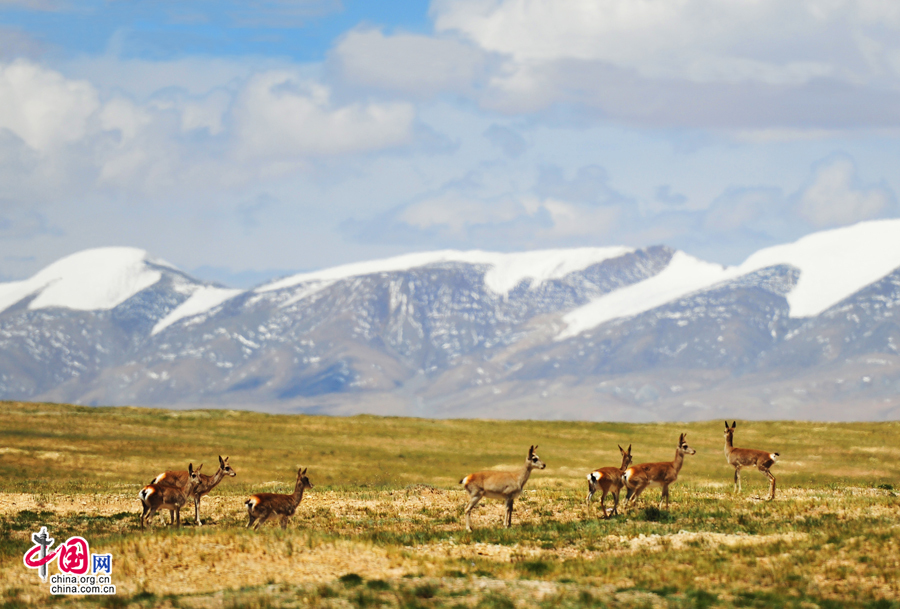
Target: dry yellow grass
[(386, 514)]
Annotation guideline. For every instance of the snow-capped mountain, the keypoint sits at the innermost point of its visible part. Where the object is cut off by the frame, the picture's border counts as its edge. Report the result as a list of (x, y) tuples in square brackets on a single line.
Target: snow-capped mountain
[(87, 312), (801, 330)]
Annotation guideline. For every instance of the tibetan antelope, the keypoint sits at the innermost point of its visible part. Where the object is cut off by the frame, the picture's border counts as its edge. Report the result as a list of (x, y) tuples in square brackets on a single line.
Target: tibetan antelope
[(639, 477), (610, 480), (207, 483), (499, 485), (262, 506), (741, 457), (160, 496)]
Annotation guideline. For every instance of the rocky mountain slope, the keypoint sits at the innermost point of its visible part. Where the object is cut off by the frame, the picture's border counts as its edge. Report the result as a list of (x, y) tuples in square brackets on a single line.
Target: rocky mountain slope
[(803, 330)]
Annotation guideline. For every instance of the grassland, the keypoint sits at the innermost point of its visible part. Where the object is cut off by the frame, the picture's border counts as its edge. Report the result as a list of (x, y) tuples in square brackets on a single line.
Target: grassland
[(384, 524)]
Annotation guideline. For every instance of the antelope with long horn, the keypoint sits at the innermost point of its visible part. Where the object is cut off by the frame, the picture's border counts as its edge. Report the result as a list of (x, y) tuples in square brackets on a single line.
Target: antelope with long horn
[(262, 506), (207, 484), (639, 477), (610, 480), (499, 485), (743, 457), (160, 496)]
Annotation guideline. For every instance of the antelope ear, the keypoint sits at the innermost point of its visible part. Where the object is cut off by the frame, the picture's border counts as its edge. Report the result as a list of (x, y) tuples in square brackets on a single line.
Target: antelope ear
[(621, 450), (199, 467), (733, 424), (304, 470), (629, 449), (531, 450), (221, 462), (190, 468), (726, 425)]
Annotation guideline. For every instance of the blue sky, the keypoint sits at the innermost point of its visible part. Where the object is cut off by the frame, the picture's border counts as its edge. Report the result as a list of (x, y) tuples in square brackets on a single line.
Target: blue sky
[(242, 140)]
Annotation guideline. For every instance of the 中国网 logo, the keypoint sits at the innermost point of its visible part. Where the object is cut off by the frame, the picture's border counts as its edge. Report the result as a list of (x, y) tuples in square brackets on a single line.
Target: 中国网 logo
[(80, 572)]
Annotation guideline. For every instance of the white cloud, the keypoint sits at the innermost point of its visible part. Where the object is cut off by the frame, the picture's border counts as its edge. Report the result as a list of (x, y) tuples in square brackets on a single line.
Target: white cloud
[(570, 220), (510, 142), (454, 212), (739, 65), (456, 217), (122, 115), (206, 113), (836, 196), (765, 41), (279, 114), (413, 64), (485, 208), (744, 208), (43, 107), (78, 139)]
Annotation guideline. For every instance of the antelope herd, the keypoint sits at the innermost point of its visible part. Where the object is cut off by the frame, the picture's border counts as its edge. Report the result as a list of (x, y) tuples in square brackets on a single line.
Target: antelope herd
[(171, 490)]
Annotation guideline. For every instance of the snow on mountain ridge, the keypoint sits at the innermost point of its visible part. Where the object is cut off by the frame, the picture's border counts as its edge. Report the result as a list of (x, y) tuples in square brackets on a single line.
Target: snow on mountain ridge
[(93, 279), (833, 265), (683, 275), (506, 272), (202, 300)]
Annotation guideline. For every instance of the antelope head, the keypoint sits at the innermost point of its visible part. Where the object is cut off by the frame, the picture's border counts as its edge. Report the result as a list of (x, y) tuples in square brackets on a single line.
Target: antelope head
[(194, 474), (729, 431), (683, 447), (302, 480), (626, 456), (223, 465), (534, 462)]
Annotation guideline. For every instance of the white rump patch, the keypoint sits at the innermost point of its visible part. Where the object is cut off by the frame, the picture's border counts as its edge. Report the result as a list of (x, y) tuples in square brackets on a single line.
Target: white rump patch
[(466, 479)]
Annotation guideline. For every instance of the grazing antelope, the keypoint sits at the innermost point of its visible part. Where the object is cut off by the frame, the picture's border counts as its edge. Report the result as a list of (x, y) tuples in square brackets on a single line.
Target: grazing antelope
[(160, 496), (740, 457), (499, 485), (639, 477), (263, 506), (207, 483), (610, 480)]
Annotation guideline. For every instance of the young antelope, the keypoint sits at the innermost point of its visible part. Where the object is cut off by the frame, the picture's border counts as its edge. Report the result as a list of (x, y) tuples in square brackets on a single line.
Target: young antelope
[(610, 480), (160, 496), (262, 506), (499, 485), (748, 457)]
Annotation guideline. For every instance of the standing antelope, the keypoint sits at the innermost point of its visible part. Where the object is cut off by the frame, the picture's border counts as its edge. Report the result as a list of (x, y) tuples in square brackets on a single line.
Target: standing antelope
[(160, 496), (499, 485), (207, 483), (263, 506), (639, 477), (610, 480), (739, 457)]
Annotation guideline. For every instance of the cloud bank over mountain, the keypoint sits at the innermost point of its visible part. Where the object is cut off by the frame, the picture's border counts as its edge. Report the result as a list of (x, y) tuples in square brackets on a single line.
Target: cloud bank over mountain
[(301, 135)]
